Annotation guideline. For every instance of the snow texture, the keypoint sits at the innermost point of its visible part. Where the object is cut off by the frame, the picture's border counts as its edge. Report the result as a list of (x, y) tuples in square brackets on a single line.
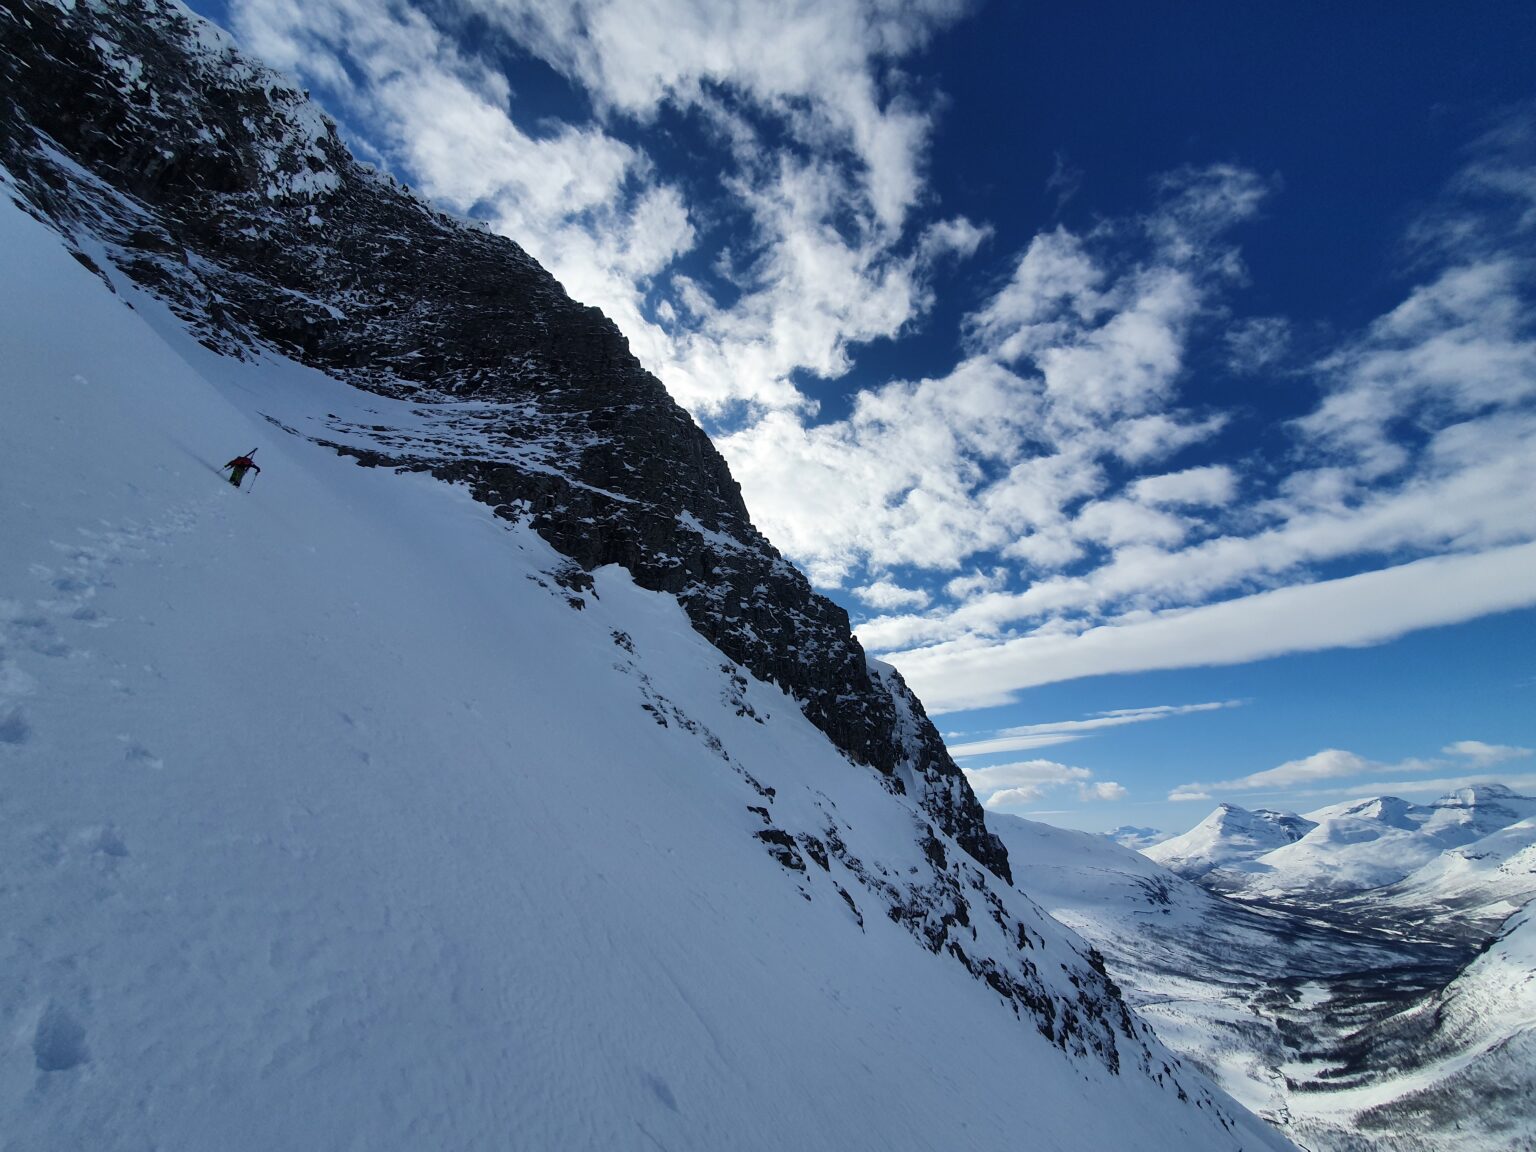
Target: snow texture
[(325, 822)]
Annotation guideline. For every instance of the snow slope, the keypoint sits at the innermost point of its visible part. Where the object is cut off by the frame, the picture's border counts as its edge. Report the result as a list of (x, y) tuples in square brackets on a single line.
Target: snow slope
[(1489, 879), (328, 822)]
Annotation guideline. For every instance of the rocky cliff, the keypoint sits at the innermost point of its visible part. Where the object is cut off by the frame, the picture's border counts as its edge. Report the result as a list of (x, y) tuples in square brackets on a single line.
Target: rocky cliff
[(209, 180)]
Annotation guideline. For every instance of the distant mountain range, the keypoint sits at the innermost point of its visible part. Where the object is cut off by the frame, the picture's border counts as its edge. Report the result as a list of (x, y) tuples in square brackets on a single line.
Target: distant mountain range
[(1355, 846), (1131, 836), (1364, 975), (1228, 836)]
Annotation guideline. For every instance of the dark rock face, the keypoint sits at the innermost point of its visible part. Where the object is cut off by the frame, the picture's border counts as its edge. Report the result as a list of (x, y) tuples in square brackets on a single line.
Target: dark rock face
[(212, 182)]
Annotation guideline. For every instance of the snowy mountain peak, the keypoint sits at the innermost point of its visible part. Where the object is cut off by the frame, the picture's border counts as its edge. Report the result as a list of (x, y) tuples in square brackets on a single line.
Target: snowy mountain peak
[(1133, 836), (1354, 846), (1489, 796), (1389, 810), (1229, 836)]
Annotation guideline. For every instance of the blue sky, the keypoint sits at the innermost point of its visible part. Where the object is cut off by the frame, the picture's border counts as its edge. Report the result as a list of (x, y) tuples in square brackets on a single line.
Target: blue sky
[(1155, 384)]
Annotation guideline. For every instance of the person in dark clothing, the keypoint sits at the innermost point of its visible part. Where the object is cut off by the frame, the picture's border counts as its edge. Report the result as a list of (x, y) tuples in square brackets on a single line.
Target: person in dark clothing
[(240, 465)]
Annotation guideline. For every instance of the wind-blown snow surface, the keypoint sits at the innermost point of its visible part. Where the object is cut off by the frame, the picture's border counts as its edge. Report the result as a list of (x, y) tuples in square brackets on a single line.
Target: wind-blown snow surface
[(325, 824)]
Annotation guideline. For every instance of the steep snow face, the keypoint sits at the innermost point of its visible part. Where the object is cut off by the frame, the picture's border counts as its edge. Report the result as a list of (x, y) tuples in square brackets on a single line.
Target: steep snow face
[(1228, 836), (330, 817), (141, 133)]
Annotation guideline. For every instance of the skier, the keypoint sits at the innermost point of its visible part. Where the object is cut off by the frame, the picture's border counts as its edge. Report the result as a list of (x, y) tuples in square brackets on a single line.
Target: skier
[(239, 465)]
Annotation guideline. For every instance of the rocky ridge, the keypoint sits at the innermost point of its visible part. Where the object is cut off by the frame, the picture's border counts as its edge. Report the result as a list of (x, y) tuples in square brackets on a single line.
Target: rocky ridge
[(140, 132)]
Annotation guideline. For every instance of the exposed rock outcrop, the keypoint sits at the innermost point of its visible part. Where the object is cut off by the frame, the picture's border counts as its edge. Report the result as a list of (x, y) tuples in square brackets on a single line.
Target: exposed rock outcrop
[(211, 181)]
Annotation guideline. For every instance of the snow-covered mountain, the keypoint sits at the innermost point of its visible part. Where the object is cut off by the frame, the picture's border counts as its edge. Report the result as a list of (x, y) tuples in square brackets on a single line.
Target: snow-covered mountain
[(1228, 836), (143, 136), (1370, 1023), (1132, 836), (508, 790), (1371, 843), (1354, 846), (1486, 881)]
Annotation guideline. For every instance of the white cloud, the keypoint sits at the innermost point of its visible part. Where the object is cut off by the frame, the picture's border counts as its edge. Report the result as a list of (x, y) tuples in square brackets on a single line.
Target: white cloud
[(1009, 799), (1040, 774), (1120, 522), (1256, 343), (1199, 203), (886, 594), (1352, 611), (1065, 731), (1415, 468), (1456, 347), (965, 587), (1009, 786), (1329, 764), (1018, 743), (1103, 790), (1337, 764), (817, 65), (1483, 754), (1473, 495), (1073, 363), (1214, 484), (1064, 181)]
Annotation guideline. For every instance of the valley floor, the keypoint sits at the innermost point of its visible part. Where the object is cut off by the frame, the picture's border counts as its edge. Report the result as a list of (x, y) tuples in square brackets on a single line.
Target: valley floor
[(1351, 1031)]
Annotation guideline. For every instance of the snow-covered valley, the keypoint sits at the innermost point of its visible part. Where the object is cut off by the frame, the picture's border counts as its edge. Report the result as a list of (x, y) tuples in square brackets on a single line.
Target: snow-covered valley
[(1393, 1017)]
